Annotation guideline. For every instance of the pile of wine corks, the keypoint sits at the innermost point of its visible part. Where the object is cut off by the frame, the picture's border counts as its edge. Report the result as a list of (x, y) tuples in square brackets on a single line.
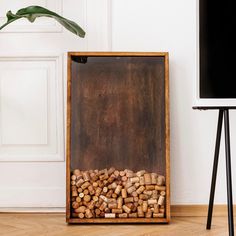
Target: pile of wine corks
[(111, 193)]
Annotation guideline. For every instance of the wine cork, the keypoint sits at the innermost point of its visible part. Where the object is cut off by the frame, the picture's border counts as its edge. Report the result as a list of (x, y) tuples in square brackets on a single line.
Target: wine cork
[(109, 193), (117, 211), (124, 178), (105, 199), (161, 200), (86, 192), (81, 215), (110, 215), (133, 215), (126, 209), (158, 215), (136, 199), (75, 205), (145, 206), (104, 177), (147, 179), (86, 176), (140, 211), (111, 170), (79, 190), (91, 190), (72, 182), (79, 182), (87, 198), (128, 184), (85, 185), (160, 188), (131, 189), (78, 199), (80, 209), (74, 193), (119, 202), (152, 201), (150, 187), (140, 173), (73, 177), (88, 213), (141, 180), (95, 184), (140, 189), (122, 173), (111, 179), (154, 194), (81, 195), (154, 178), (118, 189), (129, 174), (107, 210), (77, 172), (148, 214), (114, 195), (98, 191), (114, 185), (103, 206), (156, 208), (105, 189), (91, 205), (149, 193), (124, 193), (116, 173), (95, 198), (129, 199), (160, 180), (143, 196), (123, 215), (162, 193), (97, 211), (134, 180), (112, 205)]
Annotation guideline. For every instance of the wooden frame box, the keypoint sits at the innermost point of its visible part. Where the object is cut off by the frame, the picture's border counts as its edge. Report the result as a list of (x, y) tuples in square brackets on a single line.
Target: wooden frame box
[(118, 123)]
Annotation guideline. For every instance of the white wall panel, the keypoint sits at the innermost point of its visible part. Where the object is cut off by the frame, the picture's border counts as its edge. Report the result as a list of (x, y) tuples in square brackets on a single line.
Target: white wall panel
[(30, 114), (24, 105), (23, 25)]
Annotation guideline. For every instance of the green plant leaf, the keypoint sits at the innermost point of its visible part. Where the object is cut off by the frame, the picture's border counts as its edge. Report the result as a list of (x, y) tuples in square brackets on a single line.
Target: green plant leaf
[(32, 12)]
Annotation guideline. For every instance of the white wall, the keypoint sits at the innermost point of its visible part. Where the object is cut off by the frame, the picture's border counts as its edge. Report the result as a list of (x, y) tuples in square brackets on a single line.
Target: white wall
[(170, 25), (33, 177), (33, 96)]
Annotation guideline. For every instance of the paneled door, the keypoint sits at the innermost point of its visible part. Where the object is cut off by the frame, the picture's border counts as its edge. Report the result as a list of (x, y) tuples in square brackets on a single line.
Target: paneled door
[(32, 99)]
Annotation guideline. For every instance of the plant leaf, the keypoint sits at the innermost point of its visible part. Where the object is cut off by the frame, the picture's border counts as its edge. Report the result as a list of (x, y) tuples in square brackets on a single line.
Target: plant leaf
[(32, 12)]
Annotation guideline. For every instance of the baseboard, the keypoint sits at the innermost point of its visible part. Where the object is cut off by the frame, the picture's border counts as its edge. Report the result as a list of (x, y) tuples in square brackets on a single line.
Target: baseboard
[(32, 210), (198, 210), (176, 210)]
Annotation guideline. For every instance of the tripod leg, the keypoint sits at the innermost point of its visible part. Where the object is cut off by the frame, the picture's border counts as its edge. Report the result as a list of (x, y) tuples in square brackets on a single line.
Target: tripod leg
[(228, 174), (215, 166)]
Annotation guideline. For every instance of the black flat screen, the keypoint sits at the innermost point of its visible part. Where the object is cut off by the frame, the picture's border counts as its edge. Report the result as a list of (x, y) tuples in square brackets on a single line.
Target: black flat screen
[(217, 48)]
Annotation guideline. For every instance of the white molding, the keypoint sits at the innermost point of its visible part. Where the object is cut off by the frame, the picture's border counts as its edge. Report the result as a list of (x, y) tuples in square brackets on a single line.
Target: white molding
[(32, 197), (98, 31), (58, 155), (44, 25), (32, 210)]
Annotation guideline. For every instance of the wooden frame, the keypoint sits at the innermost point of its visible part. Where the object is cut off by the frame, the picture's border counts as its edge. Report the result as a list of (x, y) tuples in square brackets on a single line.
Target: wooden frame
[(69, 219)]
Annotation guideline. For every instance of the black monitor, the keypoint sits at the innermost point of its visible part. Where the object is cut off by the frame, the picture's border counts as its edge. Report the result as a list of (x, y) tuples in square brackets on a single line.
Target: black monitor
[(217, 52)]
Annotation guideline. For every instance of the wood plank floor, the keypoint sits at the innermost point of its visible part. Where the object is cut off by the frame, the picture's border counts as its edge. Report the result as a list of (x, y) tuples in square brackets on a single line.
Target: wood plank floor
[(54, 225)]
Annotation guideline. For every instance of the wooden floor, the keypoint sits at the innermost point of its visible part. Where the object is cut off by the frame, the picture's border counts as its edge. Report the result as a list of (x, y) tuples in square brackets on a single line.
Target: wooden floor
[(54, 225)]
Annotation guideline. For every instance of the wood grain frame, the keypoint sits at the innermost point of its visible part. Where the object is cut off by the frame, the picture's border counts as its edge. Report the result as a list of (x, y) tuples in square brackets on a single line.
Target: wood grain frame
[(167, 139)]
